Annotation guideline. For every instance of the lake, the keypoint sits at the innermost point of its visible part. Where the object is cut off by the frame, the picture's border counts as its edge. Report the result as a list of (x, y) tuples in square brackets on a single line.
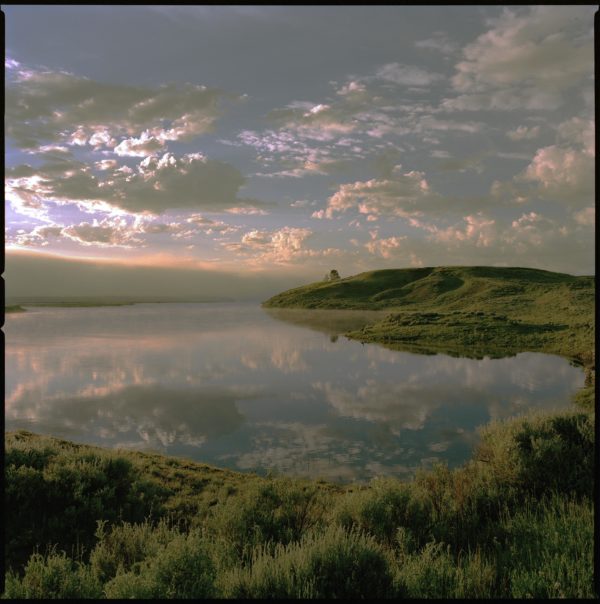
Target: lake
[(237, 386)]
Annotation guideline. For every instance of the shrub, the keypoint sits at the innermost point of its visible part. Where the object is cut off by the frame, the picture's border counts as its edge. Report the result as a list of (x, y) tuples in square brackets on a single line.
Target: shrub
[(386, 505), (334, 564), (465, 505), (55, 496), (277, 511), (435, 573), (528, 454), (182, 569), (126, 545), (55, 577), (550, 553)]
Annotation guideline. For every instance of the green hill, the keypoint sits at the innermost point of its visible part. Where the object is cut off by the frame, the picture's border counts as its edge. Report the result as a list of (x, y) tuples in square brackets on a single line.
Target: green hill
[(471, 310)]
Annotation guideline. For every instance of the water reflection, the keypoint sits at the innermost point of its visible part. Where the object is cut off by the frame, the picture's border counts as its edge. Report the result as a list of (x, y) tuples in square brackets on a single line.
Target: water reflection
[(231, 385)]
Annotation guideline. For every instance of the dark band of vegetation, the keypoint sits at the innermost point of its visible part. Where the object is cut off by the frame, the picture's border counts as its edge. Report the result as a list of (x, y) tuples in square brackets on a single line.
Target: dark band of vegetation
[(516, 521)]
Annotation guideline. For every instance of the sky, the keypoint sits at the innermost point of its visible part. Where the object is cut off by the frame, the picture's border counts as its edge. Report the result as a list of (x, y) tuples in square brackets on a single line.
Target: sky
[(267, 145)]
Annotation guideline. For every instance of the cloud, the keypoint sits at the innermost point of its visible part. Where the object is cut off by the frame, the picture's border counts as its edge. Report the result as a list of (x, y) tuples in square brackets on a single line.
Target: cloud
[(159, 183), (209, 226), (431, 123), (265, 249), (529, 239), (523, 133), (352, 87), (101, 234), (528, 59), (476, 229), (585, 217), (401, 195), (282, 245), (109, 232), (564, 174), (143, 146), (439, 42), (407, 75), (58, 106), (319, 122), (509, 99), (579, 132)]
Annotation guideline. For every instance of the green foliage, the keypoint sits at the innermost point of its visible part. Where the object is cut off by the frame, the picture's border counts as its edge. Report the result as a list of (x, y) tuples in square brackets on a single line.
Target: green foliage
[(123, 546), (542, 453), (53, 577), (277, 511), (56, 497), (435, 573), (333, 564), (550, 550), (465, 505), (383, 508), (180, 569)]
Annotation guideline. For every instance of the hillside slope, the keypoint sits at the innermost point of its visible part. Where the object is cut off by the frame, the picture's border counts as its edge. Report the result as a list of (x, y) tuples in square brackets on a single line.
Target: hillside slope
[(475, 309)]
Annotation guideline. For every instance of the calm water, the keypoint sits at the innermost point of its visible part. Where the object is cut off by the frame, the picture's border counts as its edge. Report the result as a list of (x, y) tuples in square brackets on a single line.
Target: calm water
[(235, 386)]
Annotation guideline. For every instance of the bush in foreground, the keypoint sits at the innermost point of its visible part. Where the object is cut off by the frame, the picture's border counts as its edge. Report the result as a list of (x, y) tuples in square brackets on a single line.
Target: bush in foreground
[(333, 564)]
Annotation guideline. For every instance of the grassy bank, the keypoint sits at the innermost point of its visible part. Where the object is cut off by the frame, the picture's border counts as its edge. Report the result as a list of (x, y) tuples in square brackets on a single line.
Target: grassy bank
[(516, 521), (471, 311)]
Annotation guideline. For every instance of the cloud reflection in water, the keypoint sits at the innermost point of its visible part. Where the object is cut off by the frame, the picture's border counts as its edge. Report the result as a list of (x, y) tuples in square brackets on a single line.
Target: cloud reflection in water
[(231, 385)]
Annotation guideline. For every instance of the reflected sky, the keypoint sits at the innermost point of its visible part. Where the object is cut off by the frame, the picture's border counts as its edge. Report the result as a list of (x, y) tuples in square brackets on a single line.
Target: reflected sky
[(235, 386)]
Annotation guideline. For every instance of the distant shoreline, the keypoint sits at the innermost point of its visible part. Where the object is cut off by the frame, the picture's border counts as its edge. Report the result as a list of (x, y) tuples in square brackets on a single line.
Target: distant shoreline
[(79, 303)]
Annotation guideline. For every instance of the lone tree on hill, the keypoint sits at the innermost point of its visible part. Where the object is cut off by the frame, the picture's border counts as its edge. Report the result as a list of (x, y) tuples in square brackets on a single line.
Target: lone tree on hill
[(334, 275)]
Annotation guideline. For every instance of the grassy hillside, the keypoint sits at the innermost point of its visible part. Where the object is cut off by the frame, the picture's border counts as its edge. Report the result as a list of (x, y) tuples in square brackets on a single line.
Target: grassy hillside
[(85, 522), (470, 311)]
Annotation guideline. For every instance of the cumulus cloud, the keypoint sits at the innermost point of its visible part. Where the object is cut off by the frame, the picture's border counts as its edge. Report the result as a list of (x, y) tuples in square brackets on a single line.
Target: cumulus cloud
[(401, 195), (564, 174), (101, 233), (527, 60), (108, 232), (478, 229), (263, 248), (58, 106), (159, 183), (143, 146), (279, 246)]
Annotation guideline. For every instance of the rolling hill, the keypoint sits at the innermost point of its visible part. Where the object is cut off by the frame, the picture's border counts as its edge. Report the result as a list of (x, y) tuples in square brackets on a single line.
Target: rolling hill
[(476, 310)]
